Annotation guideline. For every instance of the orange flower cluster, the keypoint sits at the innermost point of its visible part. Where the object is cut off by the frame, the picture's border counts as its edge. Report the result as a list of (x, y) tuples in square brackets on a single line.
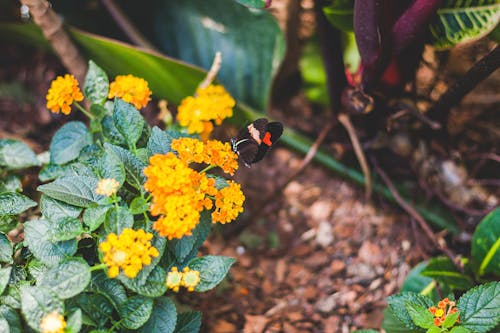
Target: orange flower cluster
[(211, 152), (445, 308), (131, 89), (212, 103), (228, 203), (62, 93)]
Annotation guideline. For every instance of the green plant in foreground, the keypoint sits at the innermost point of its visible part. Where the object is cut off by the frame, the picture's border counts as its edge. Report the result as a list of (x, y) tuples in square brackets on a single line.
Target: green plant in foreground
[(123, 215)]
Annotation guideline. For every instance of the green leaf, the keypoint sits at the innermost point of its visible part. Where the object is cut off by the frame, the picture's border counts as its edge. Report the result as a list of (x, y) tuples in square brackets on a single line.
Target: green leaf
[(188, 322), (65, 229), (128, 121), (187, 247), (397, 304), (13, 203), (136, 311), (93, 217), (450, 320), (95, 307), (133, 166), (36, 233), (480, 307), (139, 205), (159, 142), (16, 155), (212, 270), (444, 271), (251, 42), (464, 21), (255, 3), (7, 223), (111, 288), (4, 325), (77, 191), (394, 325), (419, 314), (11, 183), (153, 285), (4, 277), (51, 172), (420, 284), (313, 74), (74, 322), (12, 318), (54, 210), (163, 318), (117, 219), (91, 156), (36, 303), (365, 331), (36, 268), (68, 141), (220, 182), (486, 244), (459, 329), (110, 166), (340, 14), (5, 250), (433, 329), (96, 84), (67, 279)]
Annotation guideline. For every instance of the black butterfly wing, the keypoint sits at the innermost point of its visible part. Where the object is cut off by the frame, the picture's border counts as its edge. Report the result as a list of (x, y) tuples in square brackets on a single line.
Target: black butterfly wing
[(276, 130), (247, 151)]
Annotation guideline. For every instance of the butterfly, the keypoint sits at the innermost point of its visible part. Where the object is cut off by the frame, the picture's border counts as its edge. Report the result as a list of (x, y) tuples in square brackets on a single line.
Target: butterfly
[(253, 141)]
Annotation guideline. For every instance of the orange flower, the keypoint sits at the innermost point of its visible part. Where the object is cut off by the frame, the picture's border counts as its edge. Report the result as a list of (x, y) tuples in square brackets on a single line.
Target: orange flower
[(62, 93), (131, 89)]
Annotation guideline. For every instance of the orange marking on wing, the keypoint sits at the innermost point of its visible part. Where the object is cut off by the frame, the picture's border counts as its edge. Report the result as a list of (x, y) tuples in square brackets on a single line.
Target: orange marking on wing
[(267, 139)]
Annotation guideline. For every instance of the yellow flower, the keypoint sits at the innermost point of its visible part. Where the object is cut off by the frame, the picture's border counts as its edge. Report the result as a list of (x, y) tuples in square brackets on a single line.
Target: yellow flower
[(129, 252), (63, 91), (212, 103), (212, 152), (131, 89), (179, 195), (53, 323), (107, 187), (228, 203), (190, 279), (174, 279)]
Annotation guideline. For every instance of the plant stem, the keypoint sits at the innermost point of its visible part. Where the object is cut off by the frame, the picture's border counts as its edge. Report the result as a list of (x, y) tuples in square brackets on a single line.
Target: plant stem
[(98, 267), (210, 167), (85, 112)]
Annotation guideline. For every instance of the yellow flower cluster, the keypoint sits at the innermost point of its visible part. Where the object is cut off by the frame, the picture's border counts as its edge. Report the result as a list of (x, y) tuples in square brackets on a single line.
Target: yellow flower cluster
[(107, 187), (129, 251), (131, 89), (211, 152), (228, 203), (53, 323), (188, 279), (179, 194), (212, 103), (62, 93)]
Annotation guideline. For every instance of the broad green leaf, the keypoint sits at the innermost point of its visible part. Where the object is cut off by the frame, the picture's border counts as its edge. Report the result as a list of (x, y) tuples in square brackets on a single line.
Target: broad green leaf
[(15, 154), (250, 40), (480, 307), (136, 311), (74, 322), (340, 14), (212, 270), (65, 229), (68, 141), (36, 303), (133, 166), (486, 244), (450, 320), (220, 182), (464, 21), (118, 219), (91, 156), (7, 223), (93, 217), (4, 277), (255, 3), (111, 288), (5, 250), (153, 286), (163, 319), (419, 314), (397, 304), (186, 248), (444, 271), (110, 166), (433, 329), (67, 279), (51, 172), (4, 325), (111, 133), (460, 329), (36, 268), (77, 191), (96, 84), (392, 324), (12, 318), (36, 233), (95, 307), (11, 183), (188, 322), (13, 203), (54, 210), (159, 142), (139, 205), (418, 283), (128, 121)]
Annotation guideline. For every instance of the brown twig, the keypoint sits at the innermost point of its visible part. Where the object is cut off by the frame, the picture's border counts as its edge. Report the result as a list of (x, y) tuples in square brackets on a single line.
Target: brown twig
[(346, 122), (52, 28), (212, 73), (127, 27), (439, 242)]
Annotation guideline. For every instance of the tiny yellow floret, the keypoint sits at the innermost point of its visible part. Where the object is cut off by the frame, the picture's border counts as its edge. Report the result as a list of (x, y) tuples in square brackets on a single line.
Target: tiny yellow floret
[(190, 278), (174, 279), (107, 187), (53, 323), (228, 203), (62, 93), (129, 252), (131, 89)]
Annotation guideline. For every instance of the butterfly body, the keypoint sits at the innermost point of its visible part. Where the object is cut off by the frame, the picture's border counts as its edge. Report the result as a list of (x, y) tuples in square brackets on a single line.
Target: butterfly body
[(253, 141)]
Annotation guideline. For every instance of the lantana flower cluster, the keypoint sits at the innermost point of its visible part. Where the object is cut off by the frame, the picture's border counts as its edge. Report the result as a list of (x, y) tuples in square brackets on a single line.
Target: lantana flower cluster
[(53, 323), (188, 279), (445, 308)]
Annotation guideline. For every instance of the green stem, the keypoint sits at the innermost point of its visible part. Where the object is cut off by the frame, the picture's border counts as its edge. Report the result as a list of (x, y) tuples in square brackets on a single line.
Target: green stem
[(98, 267), (210, 167), (81, 108)]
